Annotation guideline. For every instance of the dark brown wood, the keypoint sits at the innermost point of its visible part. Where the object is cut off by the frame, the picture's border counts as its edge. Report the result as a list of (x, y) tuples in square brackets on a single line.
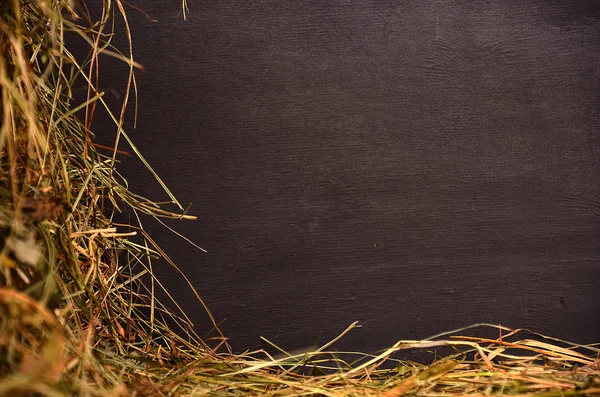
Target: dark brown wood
[(413, 165)]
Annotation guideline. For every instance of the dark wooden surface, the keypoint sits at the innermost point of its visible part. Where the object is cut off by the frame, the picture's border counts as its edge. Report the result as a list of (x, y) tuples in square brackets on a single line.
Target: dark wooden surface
[(413, 165)]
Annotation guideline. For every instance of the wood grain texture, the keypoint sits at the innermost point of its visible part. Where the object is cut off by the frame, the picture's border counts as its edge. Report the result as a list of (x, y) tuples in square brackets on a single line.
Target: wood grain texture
[(414, 165)]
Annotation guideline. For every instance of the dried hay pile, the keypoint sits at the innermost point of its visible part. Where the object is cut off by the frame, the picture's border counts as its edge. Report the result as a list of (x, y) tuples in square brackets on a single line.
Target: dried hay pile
[(75, 316)]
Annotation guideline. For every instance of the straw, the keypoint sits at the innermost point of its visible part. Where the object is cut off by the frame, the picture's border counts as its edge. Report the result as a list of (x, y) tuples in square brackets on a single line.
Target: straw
[(79, 312)]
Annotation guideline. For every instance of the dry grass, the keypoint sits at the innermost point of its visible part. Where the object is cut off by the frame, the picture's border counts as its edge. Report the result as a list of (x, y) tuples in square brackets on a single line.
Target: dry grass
[(75, 316)]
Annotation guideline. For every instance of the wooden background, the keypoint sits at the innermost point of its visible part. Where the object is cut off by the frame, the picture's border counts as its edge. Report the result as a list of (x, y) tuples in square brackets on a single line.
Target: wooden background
[(414, 165)]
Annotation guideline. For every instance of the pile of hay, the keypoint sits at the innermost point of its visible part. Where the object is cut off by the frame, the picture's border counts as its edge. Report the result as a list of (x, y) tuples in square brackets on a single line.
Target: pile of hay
[(78, 312)]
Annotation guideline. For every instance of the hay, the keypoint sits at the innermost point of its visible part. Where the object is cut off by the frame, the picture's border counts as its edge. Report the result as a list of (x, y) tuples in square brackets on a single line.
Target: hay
[(78, 307)]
